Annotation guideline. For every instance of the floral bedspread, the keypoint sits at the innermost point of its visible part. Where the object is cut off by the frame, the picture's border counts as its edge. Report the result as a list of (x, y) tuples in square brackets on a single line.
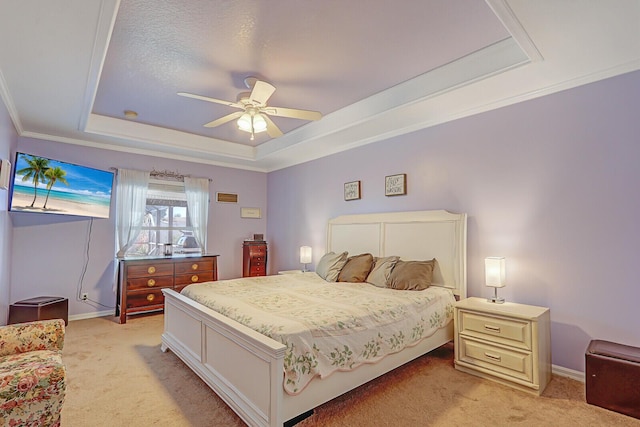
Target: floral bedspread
[(327, 326)]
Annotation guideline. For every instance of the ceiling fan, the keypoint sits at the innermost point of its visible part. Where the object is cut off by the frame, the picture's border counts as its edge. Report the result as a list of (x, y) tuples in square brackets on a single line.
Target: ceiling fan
[(254, 117)]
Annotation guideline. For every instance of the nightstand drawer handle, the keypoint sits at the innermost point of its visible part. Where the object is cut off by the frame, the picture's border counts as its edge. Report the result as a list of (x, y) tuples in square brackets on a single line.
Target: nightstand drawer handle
[(492, 356), (151, 282), (492, 328)]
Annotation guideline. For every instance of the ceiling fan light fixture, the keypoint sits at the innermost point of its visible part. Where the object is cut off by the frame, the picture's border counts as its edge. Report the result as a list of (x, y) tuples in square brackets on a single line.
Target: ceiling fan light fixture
[(252, 123)]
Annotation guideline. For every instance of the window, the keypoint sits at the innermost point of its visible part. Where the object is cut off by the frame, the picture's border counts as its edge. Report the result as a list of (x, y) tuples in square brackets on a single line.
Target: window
[(166, 221)]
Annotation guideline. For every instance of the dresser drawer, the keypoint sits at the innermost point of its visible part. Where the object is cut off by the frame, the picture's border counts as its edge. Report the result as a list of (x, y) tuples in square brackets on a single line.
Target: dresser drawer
[(150, 269), (142, 299), (257, 270), (185, 267), (508, 331), (512, 363), (187, 279), (150, 282), (257, 251)]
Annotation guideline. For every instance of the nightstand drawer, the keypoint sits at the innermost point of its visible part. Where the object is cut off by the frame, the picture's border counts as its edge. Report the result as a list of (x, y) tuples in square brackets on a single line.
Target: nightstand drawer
[(511, 332), (507, 362)]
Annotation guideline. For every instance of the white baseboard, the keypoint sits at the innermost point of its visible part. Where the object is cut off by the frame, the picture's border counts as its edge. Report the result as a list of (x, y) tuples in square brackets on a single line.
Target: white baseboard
[(566, 372), (91, 315)]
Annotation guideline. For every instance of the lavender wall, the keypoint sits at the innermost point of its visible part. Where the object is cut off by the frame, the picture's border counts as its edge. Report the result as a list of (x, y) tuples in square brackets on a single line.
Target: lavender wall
[(551, 184), (8, 141), (49, 252)]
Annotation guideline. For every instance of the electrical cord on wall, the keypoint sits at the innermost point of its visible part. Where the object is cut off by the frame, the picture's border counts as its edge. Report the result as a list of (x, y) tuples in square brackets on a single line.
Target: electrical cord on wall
[(84, 271)]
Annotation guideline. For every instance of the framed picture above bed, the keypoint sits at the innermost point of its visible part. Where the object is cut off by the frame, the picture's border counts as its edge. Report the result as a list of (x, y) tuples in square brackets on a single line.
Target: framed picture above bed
[(395, 185), (352, 190)]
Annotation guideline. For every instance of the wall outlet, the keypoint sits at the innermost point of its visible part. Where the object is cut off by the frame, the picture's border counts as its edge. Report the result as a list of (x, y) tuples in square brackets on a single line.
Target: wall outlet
[(84, 296)]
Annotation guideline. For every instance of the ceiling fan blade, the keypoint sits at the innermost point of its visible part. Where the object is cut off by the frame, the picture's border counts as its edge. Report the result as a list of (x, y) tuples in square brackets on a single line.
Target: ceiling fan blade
[(206, 98), (293, 113), (261, 92), (225, 119), (272, 130)]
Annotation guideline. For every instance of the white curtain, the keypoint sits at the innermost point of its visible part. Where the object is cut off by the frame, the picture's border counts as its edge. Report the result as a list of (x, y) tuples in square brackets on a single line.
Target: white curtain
[(197, 191), (131, 201)]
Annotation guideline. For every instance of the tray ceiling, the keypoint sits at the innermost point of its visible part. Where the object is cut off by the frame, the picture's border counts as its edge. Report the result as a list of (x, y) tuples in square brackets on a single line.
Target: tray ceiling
[(73, 67)]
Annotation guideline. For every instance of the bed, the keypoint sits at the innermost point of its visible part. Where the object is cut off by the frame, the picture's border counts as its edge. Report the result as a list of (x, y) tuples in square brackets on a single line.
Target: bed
[(246, 368)]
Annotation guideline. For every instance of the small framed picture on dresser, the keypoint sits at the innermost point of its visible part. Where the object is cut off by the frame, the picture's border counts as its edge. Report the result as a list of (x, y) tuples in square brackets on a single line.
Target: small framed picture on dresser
[(352, 190)]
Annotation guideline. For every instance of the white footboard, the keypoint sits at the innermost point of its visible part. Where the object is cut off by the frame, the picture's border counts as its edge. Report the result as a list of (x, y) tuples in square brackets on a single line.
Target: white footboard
[(246, 369), (242, 366)]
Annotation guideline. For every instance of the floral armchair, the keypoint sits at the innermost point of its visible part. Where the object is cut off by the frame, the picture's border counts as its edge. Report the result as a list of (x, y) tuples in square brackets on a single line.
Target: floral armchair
[(32, 376)]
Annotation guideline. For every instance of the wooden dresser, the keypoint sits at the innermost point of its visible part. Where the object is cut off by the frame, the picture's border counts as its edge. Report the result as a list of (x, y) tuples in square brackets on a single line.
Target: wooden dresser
[(141, 280), (254, 258)]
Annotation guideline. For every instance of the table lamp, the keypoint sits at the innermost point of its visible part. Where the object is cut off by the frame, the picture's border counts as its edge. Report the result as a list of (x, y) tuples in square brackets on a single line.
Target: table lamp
[(495, 274), (305, 256)]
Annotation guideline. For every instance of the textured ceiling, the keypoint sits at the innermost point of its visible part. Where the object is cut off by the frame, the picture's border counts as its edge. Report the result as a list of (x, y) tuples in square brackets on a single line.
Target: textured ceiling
[(375, 69), (320, 55)]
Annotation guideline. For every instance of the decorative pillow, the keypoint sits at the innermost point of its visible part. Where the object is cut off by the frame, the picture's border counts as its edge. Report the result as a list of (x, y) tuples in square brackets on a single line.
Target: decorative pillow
[(379, 275), (356, 269), (411, 275), (330, 265)]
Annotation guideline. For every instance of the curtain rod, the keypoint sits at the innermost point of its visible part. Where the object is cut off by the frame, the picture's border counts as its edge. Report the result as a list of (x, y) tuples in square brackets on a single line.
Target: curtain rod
[(176, 176)]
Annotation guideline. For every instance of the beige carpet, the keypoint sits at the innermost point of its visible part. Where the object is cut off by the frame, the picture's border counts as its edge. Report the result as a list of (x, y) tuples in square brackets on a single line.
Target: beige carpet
[(117, 376)]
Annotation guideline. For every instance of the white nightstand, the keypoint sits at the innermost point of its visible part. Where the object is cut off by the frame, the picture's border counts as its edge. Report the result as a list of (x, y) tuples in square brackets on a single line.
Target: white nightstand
[(291, 272), (509, 343)]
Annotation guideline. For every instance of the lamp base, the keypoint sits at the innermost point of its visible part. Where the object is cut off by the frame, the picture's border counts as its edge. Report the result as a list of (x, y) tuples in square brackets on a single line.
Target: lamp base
[(495, 299)]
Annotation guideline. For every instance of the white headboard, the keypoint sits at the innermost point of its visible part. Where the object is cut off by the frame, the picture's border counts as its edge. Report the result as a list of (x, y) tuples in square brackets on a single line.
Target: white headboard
[(419, 235)]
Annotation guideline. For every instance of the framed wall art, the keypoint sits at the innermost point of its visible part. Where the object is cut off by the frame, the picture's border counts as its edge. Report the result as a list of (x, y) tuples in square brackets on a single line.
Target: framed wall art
[(352, 190), (226, 197), (255, 213), (395, 185)]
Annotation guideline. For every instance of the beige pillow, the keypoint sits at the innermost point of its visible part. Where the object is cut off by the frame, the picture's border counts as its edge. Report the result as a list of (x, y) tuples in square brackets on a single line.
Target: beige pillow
[(356, 269), (330, 265), (379, 275), (411, 275)]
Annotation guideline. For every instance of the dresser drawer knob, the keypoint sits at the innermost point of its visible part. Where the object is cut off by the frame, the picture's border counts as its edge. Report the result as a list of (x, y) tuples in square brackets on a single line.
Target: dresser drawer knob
[(492, 328), (151, 270), (194, 278), (492, 356), (194, 266), (151, 297), (151, 282)]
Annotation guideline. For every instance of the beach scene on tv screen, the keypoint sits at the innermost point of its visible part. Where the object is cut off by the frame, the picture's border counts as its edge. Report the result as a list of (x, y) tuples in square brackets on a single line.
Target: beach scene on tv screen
[(44, 185)]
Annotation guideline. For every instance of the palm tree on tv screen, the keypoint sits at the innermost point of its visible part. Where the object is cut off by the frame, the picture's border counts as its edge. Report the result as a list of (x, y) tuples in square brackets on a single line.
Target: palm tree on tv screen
[(35, 171), (54, 175)]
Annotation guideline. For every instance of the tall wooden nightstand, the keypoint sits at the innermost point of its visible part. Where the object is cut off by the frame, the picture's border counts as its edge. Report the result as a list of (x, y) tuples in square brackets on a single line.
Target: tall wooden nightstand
[(254, 258), (509, 343)]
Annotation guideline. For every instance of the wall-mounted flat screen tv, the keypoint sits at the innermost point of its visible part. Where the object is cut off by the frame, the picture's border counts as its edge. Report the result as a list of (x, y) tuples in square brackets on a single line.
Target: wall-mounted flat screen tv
[(48, 186)]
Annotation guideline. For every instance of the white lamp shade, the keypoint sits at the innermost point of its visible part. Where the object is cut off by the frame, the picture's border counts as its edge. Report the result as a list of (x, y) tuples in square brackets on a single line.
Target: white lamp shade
[(259, 123), (244, 122), (305, 254), (495, 270)]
